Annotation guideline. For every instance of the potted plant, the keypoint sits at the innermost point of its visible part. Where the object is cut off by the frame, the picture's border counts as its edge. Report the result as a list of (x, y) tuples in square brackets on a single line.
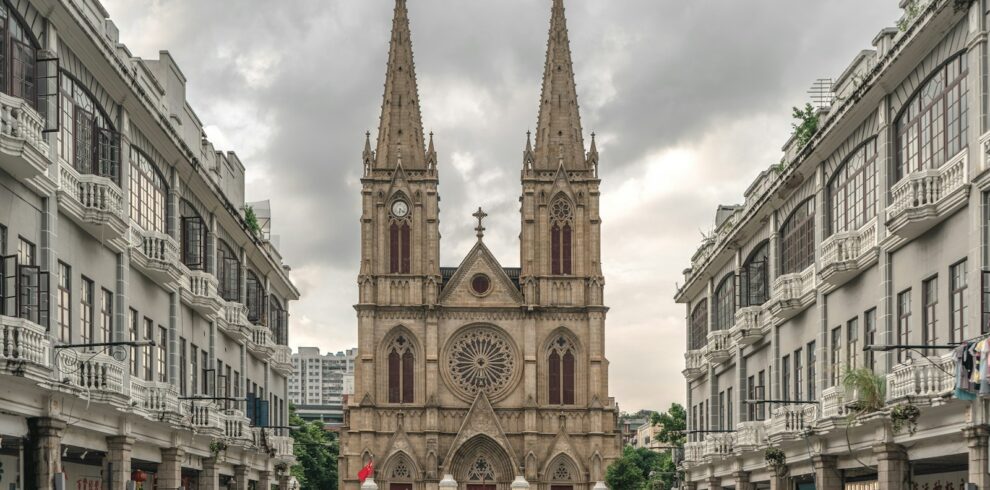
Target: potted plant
[(218, 446), (776, 461), (905, 415), (867, 390), (281, 468)]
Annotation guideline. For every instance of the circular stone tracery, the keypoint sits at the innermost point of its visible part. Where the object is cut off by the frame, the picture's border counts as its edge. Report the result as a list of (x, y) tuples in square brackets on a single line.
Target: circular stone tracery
[(481, 359)]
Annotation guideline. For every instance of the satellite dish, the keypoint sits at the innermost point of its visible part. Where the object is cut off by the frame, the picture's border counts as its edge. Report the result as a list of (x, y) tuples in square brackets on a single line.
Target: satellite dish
[(119, 354)]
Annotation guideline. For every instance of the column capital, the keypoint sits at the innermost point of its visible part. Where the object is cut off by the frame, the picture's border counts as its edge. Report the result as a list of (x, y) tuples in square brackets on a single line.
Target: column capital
[(48, 426), (741, 476), (889, 451), (173, 453), (210, 463), (118, 443), (976, 435), (824, 460)]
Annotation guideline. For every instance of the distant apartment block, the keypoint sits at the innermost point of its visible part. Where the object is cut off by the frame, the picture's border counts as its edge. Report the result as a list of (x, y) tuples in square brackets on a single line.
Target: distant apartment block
[(320, 381)]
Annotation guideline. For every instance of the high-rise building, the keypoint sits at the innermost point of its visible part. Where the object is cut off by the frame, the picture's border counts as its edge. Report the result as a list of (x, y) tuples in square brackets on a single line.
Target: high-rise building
[(479, 373), (143, 315), (319, 382)]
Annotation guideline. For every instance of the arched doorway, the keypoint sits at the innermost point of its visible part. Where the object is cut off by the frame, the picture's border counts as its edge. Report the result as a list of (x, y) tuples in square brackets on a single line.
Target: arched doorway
[(563, 473), (482, 464)]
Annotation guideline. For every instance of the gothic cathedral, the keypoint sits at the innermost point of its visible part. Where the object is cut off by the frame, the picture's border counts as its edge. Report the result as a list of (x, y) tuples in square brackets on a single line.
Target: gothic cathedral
[(480, 374)]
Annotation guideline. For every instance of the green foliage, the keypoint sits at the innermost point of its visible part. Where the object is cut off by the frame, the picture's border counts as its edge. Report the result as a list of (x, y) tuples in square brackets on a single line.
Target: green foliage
[(776, 460), (869, 389), (251, 220), (316, 453), (641, 469), (672, 424), (911, 11), (905, 415), (217, 446), (806, 125), (779, 167)]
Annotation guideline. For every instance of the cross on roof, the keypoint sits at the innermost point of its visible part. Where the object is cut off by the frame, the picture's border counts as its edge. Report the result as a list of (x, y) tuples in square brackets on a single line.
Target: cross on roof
[(481, 215)]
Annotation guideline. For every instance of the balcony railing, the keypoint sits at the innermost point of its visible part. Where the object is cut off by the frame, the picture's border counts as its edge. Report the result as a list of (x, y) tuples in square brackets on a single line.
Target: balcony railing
[(751, 325), (202, 290), (94, 202), (719, 445), (694, 451), (793, 293), (695, 364), (833, 402), (751, 435), (791, 421), (922, 380), (234, 321), (23, 344), (847, 253), (154, 397), (97, 373), (282, 447), (260, 341), (158, 256), (282, 360), (923, 198), (719, 347), (23, 151)]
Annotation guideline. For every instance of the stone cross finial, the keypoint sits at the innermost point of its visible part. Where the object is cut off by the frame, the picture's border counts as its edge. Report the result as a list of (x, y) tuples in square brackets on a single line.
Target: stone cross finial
[(481, 215)]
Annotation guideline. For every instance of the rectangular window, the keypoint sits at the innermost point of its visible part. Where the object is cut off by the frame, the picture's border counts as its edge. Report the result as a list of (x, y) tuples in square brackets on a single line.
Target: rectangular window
[(147, 362), (194, 369), (870, 331), (721, 411), (728, 408), (205, 373), (798, 375), (25, 252), (133, 326), (852, 341), (761, 409), (64, 303), (183, 371), (785, 378), (985, 311), (162, 354), (106, 317), (903, 323), (957, 303), (836, 358), (226, 385), (812, 371), (86, 311), (929, 298), (751, 392)]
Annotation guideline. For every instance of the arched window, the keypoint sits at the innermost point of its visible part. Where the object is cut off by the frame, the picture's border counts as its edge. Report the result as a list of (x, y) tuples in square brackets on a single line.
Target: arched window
[(149, 194), (193, 231), (255, 298), (852, 192), (278, 321), (229, 269), (18, 76), (699, 325), (560, 372), (725, 303), (561, 222), (754, 280), (797, 239), (401, 364), (399, 247), (87, 139), (932, 125)]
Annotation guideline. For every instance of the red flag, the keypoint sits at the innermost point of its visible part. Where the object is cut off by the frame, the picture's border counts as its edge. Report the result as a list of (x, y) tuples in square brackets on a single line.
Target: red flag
[(366, 471)]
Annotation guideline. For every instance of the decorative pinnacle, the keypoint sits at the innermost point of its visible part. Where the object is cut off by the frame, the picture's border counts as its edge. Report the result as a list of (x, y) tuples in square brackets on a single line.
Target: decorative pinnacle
[(481, 215)]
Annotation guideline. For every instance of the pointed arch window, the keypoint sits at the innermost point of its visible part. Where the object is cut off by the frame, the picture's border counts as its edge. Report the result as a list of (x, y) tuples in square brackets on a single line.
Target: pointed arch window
[(561, 371), (561, 229), (754, 280), (401, 366), (699, 325), (725, 303), (797, 239), (229, 271), (399, 247)]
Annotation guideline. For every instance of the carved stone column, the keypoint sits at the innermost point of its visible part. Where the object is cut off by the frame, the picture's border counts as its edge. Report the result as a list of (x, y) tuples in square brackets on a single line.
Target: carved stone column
[(46, 445), (892, 468), (827, 475), (976, 439), (119, 459), (170, 471)]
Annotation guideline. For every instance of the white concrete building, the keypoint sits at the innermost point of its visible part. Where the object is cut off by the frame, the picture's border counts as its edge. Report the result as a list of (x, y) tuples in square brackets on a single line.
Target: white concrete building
[(873, 231), (317, 385), (120, 222)]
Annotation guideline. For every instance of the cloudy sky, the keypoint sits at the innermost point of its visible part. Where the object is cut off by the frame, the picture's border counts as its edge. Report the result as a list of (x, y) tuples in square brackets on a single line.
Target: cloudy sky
[(690, 99)]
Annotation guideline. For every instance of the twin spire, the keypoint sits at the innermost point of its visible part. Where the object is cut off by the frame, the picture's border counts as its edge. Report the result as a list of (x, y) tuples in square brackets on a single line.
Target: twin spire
[(558, 138)]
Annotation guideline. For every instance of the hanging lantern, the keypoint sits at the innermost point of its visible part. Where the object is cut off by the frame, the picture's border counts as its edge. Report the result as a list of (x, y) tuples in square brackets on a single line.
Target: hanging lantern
[(139, 476)]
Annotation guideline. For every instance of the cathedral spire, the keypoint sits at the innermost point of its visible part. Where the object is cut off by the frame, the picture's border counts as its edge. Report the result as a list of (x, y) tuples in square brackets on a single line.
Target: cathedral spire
[(559, 124), (401, 122)]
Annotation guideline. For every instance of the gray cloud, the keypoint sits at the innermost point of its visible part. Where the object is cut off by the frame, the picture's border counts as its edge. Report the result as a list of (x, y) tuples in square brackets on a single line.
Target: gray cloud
[(690, 100)]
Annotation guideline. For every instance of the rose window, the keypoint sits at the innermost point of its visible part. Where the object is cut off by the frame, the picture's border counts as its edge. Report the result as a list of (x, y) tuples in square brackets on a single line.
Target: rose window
[(560, 211), (481, 360)]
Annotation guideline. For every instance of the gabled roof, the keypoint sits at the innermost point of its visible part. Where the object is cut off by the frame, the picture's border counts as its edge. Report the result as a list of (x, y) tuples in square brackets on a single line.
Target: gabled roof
[(456, 288)]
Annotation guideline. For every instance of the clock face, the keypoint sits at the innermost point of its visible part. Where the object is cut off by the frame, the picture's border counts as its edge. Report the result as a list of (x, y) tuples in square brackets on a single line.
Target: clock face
[(400, 209)]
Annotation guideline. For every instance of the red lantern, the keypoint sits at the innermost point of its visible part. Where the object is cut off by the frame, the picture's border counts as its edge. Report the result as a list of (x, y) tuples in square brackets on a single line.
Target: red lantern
[(139, 476)]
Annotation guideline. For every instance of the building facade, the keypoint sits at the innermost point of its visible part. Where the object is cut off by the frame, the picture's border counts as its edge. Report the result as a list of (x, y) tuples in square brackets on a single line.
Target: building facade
[(480, 374), (121, 224), (318, 383), (871, 233)]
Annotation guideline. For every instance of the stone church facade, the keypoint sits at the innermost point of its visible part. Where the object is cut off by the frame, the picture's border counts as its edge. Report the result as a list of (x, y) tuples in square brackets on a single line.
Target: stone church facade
[(479, 373)]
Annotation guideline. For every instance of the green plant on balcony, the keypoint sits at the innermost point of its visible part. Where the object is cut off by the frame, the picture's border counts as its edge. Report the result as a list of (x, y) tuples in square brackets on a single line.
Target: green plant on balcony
[(281, 468), (905, 415), (776, 461), (779, 167), (251, 220), (868, 390), (806, 124), (911, 11), (217, 446)]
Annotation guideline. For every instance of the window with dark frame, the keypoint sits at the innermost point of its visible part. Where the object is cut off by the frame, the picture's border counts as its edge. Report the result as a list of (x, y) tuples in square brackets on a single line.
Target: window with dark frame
[(86, 137), (401, 367), (149, 193), (835, 362), (785, 378), (870, 331), (903, 323), (64, 303), (183, 373), (133, 327), (812, 370), (86, 311), (798, 375), (851, 194), (194, 370), (932, 127), (852, 342), (561, 372), (699, 325), (255, 299), (162, 354), (561, 228), (728, 408), (229, 265), (797, 239), (751, 393), (106, 317), (146, 351), (754, 280), (959, 321), (399, 247), (193, 238), (761, 409), (19, 58), (929, 300), (725, 303)]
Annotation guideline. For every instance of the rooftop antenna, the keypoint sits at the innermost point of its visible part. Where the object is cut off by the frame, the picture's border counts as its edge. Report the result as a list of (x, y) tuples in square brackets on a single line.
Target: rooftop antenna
[(821, 93)]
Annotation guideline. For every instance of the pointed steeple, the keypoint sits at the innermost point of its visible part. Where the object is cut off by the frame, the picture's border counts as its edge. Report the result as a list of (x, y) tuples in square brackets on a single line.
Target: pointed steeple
[(368, 156), (559, 126), (401, 122), (528, 156), (431, 154)]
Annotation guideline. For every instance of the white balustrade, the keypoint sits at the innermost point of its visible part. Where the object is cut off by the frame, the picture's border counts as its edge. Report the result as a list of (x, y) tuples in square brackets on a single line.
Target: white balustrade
[(792, 287), (848, 246), (160, 249), (282, 445), (97, 196), (720, 445), (154, 396), (695, 363), (23, 341), (927, 187), (927, 377), (235, 313), (203, 285), (793, 419), (19, 120), (748, 326), (833, 402), (97, 372), (751, 434), (694, 451), (718, 348)]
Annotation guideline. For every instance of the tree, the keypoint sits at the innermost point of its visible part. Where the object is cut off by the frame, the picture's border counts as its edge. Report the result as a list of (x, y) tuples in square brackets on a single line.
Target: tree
[(316, 453), (641, 469), (672, 424), (806, 125), (624, 473)]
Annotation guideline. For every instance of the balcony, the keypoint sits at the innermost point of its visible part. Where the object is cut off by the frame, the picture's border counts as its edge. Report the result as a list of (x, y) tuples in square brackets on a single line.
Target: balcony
[(157, 256), (24, 349), (719, 348), (927, 380), (282, 360), (234, 321), (846, 254), (694, 452), (695, 364), (98, 374), (752, 324), (793, 293), (261, 342), (199, 290), (281, 448), (231, 425), (751, 436), (95, 203), (925, 198), (718, 446), (155, 399), (206, 419), (23, 150), (791, 422)]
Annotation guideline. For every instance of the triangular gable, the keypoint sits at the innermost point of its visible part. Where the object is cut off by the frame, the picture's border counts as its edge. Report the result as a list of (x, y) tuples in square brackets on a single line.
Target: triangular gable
[(561, 183), (481, 420), (399, 183), (399, 443), (480, 260), (562, 445)]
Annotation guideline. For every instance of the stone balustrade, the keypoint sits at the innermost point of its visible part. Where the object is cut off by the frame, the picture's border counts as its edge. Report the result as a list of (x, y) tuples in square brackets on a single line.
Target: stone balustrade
[(750, 325), (94, 372), (922, 379), (927, 187), (751, 435), (719, 445), (834, 402), (23, 150), (154, 397), (694, 451), (791, 421), (719, 347), (792, 293), (99, 197), (845, 253), (695, 364), (282, 446), (23, 342)]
